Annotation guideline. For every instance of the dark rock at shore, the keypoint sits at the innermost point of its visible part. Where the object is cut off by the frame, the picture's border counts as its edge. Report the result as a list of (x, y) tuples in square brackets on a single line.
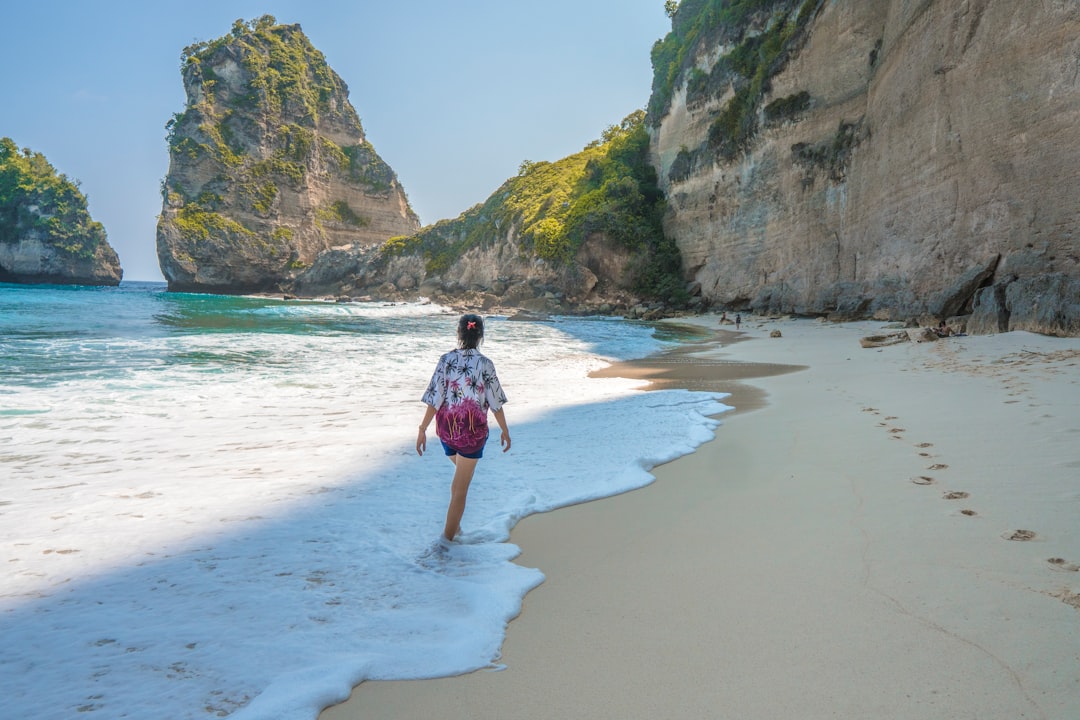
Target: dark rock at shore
[(1047, 304)]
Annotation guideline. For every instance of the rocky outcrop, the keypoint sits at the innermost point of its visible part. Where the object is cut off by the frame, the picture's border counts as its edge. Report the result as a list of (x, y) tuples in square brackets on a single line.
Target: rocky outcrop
[(269, 167), (580, 234), (891, 159), (46, 232), (500, 274), (35, 259), (1048, 303)]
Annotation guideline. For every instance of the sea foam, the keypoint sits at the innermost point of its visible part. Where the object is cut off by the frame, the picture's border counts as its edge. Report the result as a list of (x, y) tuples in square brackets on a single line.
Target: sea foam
[(223, 513)]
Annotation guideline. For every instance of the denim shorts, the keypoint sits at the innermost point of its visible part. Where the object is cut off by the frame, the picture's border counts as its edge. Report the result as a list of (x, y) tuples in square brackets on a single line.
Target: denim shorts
[(475, 455)]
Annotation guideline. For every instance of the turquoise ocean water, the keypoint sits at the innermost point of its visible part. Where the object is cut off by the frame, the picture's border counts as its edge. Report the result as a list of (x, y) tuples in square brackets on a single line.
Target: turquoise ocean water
[(212, 506)]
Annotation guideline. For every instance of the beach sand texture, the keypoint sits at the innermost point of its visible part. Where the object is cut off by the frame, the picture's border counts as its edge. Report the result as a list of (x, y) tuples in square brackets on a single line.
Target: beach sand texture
[(886, 533)]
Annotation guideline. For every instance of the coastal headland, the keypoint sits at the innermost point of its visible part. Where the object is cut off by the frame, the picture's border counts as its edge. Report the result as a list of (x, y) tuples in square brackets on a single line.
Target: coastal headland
[(884, 532), (839, 159)]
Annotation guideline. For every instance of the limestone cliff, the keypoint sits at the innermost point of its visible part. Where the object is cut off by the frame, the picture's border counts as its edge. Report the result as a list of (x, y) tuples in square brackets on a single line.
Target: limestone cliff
[(46, 232), (269, 166), (583, 232), (892, 159)]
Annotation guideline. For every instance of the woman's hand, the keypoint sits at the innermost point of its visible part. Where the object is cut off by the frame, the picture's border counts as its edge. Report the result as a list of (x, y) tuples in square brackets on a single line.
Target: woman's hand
[(421, 439), (504, 439)]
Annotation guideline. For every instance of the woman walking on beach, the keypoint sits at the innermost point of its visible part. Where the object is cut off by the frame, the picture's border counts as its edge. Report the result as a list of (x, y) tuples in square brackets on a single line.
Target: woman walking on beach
[(462, 390)]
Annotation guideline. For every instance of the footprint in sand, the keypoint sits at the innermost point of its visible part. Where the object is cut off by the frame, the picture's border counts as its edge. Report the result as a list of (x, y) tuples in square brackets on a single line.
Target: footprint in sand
[(890, 417), (924, 454), (1068, 597), (923, 480), (1019, 535), (937, 466), (956, 495), (897, 430), (1063, 565), (924, 445), (969, 513)]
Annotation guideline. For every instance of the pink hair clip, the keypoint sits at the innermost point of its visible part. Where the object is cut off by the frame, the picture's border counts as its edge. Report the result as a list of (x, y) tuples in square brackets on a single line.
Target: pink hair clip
[(471, 325)]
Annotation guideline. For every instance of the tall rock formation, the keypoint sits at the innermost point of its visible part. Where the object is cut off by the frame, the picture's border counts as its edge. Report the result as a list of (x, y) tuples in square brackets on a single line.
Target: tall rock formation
[(46, 232), (269, 166), (891, 159)]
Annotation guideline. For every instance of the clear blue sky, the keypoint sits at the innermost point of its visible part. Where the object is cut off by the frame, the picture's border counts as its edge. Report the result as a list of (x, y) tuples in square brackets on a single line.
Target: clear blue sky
[(453, 95)]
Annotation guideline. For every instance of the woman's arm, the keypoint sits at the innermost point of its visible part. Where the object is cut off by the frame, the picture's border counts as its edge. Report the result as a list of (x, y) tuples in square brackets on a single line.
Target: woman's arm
[(500, 417), (421, 439)]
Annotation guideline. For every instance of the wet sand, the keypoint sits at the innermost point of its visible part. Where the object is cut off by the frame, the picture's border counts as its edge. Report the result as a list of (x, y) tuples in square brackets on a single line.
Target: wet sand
[(885, 533)]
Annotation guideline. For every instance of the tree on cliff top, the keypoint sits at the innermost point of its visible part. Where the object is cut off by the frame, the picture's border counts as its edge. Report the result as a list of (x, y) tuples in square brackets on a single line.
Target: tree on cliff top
[(34, 198)]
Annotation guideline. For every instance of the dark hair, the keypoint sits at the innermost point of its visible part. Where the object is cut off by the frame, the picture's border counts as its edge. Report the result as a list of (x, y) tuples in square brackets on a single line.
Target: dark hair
[(470, 332)]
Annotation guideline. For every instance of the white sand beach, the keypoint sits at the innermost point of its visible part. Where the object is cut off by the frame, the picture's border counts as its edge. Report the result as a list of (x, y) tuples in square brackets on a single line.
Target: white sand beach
[(886, 533)]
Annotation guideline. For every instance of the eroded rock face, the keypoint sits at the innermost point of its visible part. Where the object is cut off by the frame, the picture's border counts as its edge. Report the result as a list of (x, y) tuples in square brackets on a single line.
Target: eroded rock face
[(31, 259), (933, 162), (269, 166), (500, 274), (1048, 303)]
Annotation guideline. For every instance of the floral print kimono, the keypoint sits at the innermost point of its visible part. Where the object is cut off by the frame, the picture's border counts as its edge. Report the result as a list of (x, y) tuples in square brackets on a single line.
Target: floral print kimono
[(462, 390)]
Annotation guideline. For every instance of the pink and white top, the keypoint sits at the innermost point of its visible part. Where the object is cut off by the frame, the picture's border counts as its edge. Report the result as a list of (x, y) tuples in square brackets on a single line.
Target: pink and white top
[(462, 389)]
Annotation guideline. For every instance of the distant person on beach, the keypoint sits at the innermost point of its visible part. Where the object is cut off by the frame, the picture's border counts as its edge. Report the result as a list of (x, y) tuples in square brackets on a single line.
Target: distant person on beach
[(723, 317), (462, 390), (738, 320), (943, 330)]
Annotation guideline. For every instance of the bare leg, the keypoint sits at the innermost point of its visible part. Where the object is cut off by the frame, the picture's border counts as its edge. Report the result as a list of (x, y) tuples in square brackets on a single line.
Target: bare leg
[(459, 489)]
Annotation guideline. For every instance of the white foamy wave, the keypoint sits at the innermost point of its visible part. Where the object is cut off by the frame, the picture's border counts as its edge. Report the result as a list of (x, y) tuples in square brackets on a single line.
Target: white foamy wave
[(238, 522), (375, 310)]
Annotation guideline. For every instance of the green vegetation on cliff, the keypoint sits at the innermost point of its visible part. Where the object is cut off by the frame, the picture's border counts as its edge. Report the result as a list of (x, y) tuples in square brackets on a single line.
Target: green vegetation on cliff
[(287, 75), (285, 80), (753, 59), (552, 207), (339, 212), (35, 199), (196, 223)]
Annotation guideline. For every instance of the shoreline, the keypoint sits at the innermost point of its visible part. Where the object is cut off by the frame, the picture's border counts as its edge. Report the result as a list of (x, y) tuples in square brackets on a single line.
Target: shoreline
[(843, 550), (693, 366)]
